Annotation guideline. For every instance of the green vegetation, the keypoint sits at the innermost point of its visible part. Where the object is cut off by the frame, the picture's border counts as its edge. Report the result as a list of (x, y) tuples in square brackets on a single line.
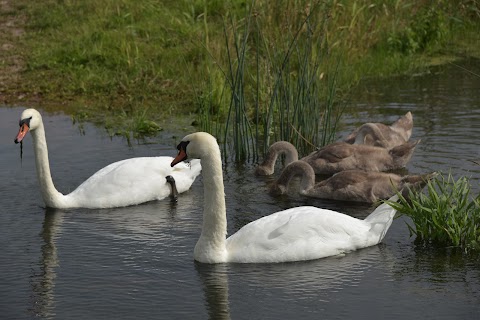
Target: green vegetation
[(447, 215), (249, 71), (288, 96)]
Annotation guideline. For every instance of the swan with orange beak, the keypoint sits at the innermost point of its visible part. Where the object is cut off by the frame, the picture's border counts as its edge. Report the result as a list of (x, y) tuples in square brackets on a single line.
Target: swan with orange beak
[(122, 183)]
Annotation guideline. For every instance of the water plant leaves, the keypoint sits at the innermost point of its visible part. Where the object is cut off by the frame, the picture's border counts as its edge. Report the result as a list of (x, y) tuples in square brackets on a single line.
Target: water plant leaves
[(446, 214)]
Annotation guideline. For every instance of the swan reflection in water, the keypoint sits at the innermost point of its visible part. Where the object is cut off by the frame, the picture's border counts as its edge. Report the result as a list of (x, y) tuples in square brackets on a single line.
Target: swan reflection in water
[(251, 284), (214, 279), (43, 278)]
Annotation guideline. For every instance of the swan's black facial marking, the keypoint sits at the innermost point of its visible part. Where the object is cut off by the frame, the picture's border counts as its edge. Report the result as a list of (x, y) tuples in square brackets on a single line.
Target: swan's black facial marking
[(182, 153), (25, 121), (183, 146), (24, 127)]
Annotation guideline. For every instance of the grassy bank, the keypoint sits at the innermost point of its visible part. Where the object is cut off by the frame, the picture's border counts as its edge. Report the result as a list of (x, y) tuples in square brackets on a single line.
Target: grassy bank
[(130, 65)]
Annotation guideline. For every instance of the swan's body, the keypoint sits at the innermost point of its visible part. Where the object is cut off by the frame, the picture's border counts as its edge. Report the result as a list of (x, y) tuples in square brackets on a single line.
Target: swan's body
[(340, 156), (381, 135), (123, 183), (349, 185), (296, 234)]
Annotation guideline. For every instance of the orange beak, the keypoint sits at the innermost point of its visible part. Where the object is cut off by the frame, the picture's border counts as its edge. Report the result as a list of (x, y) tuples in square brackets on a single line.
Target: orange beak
[(182, 155), (22, 132)]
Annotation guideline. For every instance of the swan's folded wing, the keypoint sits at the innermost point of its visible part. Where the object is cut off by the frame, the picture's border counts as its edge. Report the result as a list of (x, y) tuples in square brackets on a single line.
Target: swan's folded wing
[(185, 174), (302, 233), (132, 181), (335, 152)]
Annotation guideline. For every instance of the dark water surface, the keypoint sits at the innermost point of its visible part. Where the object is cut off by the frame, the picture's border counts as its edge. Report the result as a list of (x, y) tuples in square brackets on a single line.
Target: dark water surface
[(136, 262)]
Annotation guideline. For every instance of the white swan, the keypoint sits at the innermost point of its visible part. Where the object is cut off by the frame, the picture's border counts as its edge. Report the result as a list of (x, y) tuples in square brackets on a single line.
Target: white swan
[(295, 234), (123, 183)]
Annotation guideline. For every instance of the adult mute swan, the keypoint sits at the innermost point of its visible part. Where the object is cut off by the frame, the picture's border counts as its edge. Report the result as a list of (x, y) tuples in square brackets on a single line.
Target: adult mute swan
[(381, 135), (340, 156), (295, 234), (123, 183), (349, 185)]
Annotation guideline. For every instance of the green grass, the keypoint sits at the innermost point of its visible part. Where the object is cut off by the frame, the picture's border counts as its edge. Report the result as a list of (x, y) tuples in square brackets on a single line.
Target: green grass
[(446, 215), (109, 61)]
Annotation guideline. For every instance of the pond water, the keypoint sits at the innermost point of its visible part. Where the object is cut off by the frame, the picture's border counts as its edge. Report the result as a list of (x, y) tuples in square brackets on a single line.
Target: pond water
[(136, 262)]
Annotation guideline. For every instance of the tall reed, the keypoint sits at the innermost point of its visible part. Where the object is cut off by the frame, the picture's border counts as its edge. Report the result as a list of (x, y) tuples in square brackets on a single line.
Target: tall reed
[(283, 94)]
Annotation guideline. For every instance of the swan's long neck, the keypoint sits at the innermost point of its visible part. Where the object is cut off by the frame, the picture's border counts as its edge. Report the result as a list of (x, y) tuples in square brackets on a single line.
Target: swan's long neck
[(51, 196), (297, 168), (211, 247), (371, 134), (267, 167)]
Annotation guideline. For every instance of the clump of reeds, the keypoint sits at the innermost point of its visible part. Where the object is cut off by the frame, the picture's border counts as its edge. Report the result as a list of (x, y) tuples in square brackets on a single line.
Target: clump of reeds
[(446, 214), (283, 93)]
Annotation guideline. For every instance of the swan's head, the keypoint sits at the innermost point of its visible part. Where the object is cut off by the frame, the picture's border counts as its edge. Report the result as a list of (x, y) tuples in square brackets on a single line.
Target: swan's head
[(197, 145), (29, 121), (277, 189), (404, 125)]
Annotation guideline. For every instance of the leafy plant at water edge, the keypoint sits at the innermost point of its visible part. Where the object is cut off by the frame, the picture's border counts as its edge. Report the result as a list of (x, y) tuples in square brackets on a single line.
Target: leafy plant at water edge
[(138, 123), (445, 215), (428, 28)]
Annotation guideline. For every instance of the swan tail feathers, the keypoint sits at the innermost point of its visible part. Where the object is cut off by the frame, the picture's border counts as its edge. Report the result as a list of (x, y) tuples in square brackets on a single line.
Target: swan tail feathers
[(382, 213), (381, 219)]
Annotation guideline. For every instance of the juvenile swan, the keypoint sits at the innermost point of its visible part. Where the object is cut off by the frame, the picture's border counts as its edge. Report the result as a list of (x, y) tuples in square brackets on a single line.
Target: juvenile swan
[(295, 234), (350, 185), (381, 135), (123, 183), (267, 167), (340, 156)]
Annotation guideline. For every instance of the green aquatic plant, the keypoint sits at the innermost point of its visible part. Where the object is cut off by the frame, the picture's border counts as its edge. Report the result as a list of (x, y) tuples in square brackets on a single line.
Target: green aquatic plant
[(446, 214), (138, 125)]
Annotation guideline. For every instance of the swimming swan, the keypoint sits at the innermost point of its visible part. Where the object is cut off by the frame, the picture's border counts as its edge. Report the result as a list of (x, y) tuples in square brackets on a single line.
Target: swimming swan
[(349, 185), (295, 234), (123, 183), (381, 135), (267, 167), (340, 156)]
